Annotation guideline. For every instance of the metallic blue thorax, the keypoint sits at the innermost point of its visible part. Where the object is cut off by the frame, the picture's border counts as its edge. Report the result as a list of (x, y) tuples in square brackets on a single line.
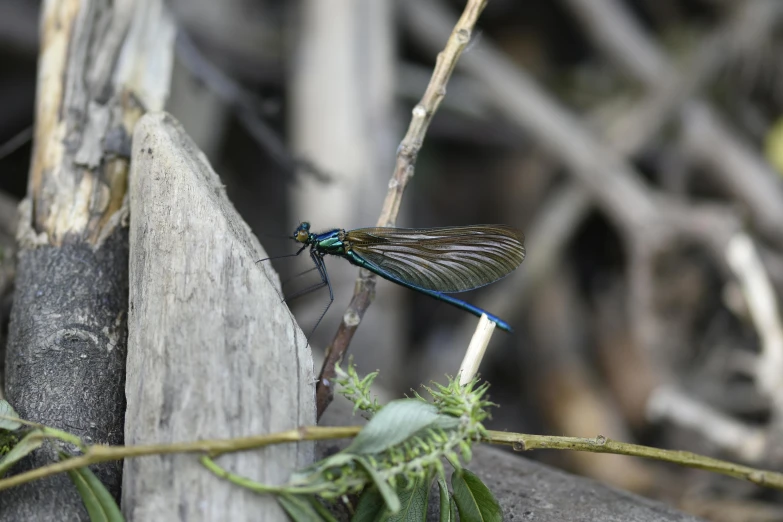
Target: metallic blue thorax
[(331, 242)]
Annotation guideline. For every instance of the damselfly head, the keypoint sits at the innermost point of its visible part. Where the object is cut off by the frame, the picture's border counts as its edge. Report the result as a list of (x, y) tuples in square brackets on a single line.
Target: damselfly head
[(302, 232)]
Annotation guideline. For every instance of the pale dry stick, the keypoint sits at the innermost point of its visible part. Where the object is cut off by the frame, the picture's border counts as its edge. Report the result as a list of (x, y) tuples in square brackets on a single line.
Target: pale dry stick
[(403, 171), (476, 350), (743, 258)]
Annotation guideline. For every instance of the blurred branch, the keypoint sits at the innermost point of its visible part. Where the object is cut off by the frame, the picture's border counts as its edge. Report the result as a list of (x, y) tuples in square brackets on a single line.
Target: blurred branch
[(550, 233), (761, 300), (618, 188), (667, 403), (644, 216), (709, 141), (609, 23), (737, 167), (706, 138), (403, 171), (649, 220), (17, 141), (246, 106)]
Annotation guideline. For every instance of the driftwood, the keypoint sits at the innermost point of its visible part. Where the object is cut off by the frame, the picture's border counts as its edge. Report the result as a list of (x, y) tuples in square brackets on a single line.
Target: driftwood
[(101, 66), (212, 350)]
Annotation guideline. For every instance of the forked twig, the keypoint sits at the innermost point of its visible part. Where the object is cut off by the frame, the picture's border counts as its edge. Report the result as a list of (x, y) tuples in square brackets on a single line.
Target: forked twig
[(403, 171)]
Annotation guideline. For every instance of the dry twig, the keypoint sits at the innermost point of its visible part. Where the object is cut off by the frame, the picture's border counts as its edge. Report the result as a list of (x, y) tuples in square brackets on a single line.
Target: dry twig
[(403, 171)]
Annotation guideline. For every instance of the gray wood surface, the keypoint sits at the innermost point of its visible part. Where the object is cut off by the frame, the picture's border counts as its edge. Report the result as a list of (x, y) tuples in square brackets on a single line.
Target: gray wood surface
[(212, 350)]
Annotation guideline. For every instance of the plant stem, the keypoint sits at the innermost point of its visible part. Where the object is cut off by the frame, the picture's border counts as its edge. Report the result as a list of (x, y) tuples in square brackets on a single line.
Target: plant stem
[(239, 480), (519, 441), (100, 453), (600, 444)]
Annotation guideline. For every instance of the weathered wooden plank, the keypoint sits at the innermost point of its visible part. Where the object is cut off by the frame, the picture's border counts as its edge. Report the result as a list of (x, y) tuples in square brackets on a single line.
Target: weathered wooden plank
[(212, 350)]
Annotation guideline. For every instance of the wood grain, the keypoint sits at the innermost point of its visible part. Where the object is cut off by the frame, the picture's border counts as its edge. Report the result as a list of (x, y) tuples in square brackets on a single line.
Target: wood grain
[(212, 350)]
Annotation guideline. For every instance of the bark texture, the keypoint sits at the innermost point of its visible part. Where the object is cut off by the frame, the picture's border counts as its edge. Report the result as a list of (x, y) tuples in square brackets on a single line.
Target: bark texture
[(101, 66)]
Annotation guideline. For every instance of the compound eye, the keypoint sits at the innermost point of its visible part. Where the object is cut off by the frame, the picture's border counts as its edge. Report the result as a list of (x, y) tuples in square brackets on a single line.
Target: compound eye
[(305, 226)]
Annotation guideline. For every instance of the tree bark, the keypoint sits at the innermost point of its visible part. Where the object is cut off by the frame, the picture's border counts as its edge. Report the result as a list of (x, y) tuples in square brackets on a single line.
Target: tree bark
[(101, 66)]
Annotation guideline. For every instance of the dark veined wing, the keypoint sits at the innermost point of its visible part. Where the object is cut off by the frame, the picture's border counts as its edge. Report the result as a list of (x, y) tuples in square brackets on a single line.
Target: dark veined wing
[(450, 259)]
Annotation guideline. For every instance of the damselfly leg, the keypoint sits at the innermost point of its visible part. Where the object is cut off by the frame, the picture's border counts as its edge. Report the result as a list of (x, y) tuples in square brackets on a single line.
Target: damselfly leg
[(321, 266), (300, 274)]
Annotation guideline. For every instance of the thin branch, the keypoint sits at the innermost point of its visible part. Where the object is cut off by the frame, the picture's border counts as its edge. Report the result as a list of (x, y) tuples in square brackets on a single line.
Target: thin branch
[(671, 404), (519, 441), (16, 142), (247, 108), (214, 448), (403, 172), (601, 444)]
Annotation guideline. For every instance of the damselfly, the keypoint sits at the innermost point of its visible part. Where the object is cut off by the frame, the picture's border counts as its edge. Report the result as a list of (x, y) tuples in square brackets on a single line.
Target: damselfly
[(433, 261)]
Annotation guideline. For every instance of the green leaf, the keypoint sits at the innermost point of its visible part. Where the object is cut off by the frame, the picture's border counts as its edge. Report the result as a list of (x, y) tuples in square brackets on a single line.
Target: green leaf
[(386, 491), (371, 506), (475, 501), (396, 422), (99, 503), (446, 502), (29, 443), (6, 410), (321, 509), (413, 500), (299, 509)]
